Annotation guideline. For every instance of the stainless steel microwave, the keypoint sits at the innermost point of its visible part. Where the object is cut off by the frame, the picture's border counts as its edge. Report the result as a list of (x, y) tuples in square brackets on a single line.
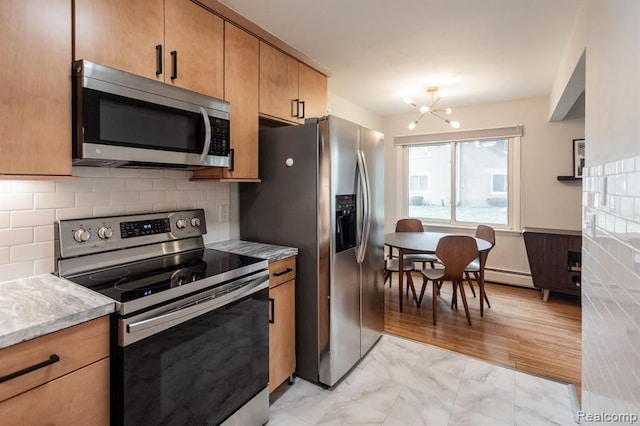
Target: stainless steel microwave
[(124, 120)]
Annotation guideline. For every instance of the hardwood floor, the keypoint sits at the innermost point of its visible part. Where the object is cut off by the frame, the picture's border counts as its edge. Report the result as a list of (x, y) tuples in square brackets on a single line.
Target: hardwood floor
[(519, 331)]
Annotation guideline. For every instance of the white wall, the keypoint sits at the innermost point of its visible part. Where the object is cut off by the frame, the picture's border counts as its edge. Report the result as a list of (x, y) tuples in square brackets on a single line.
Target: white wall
[(611, 236), (29, 208), (343, 108), (546, 152)]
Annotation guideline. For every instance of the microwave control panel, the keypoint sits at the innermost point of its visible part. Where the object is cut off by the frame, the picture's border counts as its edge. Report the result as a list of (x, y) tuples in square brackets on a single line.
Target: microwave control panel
[(219, 137)]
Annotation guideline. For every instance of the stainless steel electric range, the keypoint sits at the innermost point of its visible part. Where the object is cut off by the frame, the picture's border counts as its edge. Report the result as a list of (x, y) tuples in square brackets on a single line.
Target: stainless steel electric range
[(190, 336)]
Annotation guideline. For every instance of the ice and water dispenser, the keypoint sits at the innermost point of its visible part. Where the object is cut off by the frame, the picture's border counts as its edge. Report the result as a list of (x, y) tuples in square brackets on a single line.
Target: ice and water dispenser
[(346, 223)]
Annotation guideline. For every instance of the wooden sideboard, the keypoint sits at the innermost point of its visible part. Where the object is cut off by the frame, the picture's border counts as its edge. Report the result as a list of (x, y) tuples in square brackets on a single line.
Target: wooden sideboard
[(555, 259)]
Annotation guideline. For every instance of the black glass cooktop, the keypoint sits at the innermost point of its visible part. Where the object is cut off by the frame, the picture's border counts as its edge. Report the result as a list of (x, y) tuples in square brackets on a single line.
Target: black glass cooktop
[(137, 280)]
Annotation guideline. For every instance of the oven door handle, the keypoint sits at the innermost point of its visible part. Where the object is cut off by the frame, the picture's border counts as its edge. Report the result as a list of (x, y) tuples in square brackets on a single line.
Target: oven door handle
[(144, 328)]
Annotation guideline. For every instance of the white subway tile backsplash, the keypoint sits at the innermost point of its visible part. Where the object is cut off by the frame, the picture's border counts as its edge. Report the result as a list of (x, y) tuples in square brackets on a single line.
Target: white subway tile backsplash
[(44, 266), (4, 256), (43, 233), (611, 285), (110, 184), (164, 184), (175, 196), (13, 237), (138, 208), (5, 220), (31, 251), (124, 198), (54, 201), (16, 201), (15, 271), (139, 184), (74, 213), (24, 218), (33, 186), (163, 207), (28, 209), (108, 211), (147, 197), (125, 173), (177, 174), (151, 173), (91, 199)]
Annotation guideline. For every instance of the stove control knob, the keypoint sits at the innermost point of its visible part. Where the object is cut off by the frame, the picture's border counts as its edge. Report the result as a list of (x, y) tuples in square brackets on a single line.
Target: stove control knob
[(195, 222), (105, 233), (81, 235), (181, 223)]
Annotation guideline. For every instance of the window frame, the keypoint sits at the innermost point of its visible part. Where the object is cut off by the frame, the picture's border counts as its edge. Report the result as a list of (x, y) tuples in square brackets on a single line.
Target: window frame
[(513, 178)]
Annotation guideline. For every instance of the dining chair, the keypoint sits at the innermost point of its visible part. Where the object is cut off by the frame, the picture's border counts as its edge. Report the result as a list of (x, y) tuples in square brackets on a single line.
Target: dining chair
[(476, 267), (455, 252), (393, 265), (415, 225)]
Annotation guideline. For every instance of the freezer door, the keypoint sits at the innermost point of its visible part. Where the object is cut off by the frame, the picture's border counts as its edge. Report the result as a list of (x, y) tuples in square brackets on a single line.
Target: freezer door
[(371, 269)]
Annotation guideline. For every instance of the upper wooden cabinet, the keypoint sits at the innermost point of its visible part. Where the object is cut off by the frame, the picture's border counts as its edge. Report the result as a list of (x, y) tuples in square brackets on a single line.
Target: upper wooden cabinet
[(175, 41), (289, 90), (312, 90), (241, 69), (35, 100)]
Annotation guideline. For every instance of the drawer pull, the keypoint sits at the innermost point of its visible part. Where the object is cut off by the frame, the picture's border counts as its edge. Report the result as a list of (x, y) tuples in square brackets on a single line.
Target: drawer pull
[(272, 312), (52, 360), (279, 274)]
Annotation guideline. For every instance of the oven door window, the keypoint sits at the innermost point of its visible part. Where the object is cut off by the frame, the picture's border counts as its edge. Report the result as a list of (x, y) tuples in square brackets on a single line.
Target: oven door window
[(198, 372), (121, 121)]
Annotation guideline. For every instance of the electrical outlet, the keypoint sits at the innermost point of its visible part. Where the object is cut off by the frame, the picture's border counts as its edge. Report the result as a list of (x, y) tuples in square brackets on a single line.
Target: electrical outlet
[(224, 213)]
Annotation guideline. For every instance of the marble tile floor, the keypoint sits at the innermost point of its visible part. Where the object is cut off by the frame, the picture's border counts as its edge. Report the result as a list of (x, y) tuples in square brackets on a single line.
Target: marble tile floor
[(405, 383)]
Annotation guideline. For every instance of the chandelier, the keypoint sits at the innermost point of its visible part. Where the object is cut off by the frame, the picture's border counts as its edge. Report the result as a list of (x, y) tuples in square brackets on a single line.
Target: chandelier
[(431, 109)]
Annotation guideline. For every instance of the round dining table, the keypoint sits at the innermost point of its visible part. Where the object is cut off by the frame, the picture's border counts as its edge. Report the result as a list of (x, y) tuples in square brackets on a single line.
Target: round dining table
[(426, 242)]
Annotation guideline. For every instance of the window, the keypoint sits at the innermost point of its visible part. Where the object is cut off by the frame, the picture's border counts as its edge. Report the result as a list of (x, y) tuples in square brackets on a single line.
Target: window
[(475, 174)]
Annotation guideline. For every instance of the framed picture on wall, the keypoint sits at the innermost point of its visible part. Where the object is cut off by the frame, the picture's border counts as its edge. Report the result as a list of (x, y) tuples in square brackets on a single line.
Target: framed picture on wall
[(578, 157)]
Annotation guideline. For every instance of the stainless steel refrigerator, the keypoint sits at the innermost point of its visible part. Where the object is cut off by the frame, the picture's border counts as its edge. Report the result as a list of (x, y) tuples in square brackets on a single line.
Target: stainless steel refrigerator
[(321, 191)]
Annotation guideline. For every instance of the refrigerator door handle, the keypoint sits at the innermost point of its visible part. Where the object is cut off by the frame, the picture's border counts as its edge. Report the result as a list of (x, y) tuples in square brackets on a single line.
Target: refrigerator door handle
[(367, 216), (364, 229)]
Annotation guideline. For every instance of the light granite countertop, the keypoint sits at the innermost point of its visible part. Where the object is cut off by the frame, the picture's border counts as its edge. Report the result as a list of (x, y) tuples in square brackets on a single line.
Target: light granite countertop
[(32, 307), (263, 251)]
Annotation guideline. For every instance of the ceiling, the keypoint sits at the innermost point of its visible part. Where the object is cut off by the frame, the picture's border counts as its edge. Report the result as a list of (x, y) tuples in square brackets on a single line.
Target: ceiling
[(378, 51)]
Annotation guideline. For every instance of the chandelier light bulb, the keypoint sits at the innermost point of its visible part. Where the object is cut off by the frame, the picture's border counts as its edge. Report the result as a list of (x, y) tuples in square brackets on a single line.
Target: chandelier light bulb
[(448, 111), (424, 109), (407, 100), (412, 125), (455, 124)]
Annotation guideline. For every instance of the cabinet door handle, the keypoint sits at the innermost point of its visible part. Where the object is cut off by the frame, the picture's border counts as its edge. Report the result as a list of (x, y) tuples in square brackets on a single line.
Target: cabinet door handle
[(159, 59), (295, 107), (302, 115), (231, 159), (279, 274), (272, 313), (52, 360), (174, 64)]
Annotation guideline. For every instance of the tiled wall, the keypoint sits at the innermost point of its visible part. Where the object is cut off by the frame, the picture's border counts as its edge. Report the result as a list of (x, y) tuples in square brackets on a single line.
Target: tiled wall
[(611, 287), (28, 209)]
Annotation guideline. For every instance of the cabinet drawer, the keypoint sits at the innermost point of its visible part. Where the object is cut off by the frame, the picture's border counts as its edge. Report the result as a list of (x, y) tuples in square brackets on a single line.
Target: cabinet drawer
[(79, 398), (282, 271), (74, 347)]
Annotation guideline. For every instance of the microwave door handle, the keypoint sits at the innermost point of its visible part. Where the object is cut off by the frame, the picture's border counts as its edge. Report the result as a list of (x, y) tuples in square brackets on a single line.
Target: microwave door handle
[(207, 134)]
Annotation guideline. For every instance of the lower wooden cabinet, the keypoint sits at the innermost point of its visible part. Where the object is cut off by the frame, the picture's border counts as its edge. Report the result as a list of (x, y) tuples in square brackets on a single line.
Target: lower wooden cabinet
[(282, 320), (79, 398), (69, 379)]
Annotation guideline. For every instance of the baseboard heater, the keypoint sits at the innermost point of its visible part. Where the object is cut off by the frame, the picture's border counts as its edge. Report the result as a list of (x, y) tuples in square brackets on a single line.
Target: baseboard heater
[(505, 276)]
